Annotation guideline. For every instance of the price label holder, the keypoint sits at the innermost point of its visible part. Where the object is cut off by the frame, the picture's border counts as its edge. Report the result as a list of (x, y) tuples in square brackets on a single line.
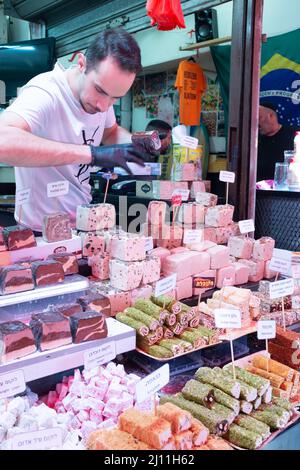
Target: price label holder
[(12, 383), (193, 236), (57, 189), (22, 197), (38, 440), (266, 329), (280, 289), (151, 384), (246, 226), (281, 262), (99, 355), (227, 177), (165, 285), (228, 318)]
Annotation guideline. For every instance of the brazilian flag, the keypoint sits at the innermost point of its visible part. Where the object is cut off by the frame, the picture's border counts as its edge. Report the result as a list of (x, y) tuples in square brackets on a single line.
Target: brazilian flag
[(279, 77)]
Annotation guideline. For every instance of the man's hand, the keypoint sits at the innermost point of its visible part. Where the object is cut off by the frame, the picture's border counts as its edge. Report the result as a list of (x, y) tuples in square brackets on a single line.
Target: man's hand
[(117, 155)]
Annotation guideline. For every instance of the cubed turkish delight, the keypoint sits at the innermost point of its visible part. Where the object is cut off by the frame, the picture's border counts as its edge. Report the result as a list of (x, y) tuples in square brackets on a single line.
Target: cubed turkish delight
[(240, 247), (125, 275), (219, 256), (263, 248), (151, 269), (128, 247), (219, 216), (90, 217)]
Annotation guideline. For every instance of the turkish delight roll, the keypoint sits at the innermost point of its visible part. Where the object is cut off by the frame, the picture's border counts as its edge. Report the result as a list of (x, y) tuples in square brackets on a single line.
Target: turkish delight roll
[(91, 217), (254, 425), (200, 432), (228, 385), (88, 326), (92, 244), (125, 275), (128, 247), (17, 237), (260, 383), (151, 309), (156, 214), (51, 330), (158, 351), (140, 327), (47, 272), (198, 393), (57, 227), (149, 321), (16, 340), (67, 260), (15, 278), (226, 400), (168, 302), (271, 419), (243, 437)]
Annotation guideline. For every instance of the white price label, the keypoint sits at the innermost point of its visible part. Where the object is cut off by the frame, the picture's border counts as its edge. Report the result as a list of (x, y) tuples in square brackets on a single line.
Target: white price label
[(57, 188), (281, 262), (184, 193), (227, 176), (189, 142), (152, 383), (296, 271), (296, 301), (165, 285), (100, 355), (227, 318), (281, 288), (22, 196), (12, 383), (193, 236), (246, 226), (38, 440), (266, 329), (149, 243)]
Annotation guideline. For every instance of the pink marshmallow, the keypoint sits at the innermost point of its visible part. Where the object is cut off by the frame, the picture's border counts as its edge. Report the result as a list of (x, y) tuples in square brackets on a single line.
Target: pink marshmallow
[(219, 256), (184, 288)]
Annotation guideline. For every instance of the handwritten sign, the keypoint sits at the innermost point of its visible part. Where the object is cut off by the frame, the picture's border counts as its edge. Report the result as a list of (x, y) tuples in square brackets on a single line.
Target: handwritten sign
[(246, 226), (165, 285), (281, 288), (189, 142), (152, 383), (22, 196), (227, 176), (57, 188), (193, 236), (184, 193), (227, 318), (266, 329), (99, 355), (12, 383), (281, 262), (38, 440)]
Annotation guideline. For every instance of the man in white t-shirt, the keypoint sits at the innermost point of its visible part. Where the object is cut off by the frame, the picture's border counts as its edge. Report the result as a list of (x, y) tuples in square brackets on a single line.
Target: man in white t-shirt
[(53, 130)]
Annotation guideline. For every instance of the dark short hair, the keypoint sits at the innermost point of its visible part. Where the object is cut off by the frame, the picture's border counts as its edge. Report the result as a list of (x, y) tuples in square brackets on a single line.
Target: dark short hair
[(158, 125), (116, 43)]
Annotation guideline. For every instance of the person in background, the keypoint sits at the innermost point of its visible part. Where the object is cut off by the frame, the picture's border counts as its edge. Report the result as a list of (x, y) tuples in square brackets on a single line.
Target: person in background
[(274, 138), (165, 133)]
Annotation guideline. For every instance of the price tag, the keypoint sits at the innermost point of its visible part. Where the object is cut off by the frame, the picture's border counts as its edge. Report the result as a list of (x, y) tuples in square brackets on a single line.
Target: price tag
[(296, 271), (12, 383), (22, 196), (246, 226), (227, 176), (204, 282), (281, 288), (149, 243), (38, 440), (227, 318), (193, 236), (57, 188), (184, 193), (155, 168), (165, 285), (100, 355), (266, 329), (281, 262), (296, 301), (189, 142), (152, 383), (176, 201)]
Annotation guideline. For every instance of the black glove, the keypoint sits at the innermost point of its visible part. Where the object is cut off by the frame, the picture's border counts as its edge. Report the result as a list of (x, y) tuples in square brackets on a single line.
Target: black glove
[(110, 156)]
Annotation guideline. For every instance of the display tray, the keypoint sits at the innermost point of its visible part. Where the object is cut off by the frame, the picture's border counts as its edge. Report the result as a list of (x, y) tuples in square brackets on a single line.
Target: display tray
[(235, 334), (177, 355), (42, 364)]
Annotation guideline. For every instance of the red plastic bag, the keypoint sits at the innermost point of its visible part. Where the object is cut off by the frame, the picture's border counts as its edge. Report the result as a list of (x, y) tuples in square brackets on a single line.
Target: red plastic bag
[(167, 14)]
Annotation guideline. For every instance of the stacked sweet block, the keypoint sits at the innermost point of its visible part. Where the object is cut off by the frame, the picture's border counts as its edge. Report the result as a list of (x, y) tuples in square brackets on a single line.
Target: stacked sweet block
[(243, 410), (170, 428), (166, 327)]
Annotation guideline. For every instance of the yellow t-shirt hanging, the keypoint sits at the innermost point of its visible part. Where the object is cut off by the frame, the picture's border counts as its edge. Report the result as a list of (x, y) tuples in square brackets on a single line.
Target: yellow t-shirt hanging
[(191, 84)]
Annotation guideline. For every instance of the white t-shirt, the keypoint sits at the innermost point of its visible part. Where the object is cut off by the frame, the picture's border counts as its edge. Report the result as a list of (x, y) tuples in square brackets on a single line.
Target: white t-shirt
[(49, 107)]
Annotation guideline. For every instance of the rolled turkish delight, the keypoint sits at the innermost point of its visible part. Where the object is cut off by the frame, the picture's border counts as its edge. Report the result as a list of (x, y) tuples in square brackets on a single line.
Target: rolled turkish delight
[(15, 278), (151, 309), (146, 341), (241, 273), (148, 141), (151, 270), (47, 272), (88, 326), (224, 412), (148, 320), (281, 412), (51, 330), (184, 288), (156, 213), (199, 393), (191, 213), (128, 247), (97, 302), (57, 227), (228, 385), (219, 257), (92, 244), (207, 199), (67, 260), (275, 379), (16, 340), (140, 327), (252, 424), (192, 338), (240, 247), (246, 407), (263, 249), (91, 217), (219, 216), (168, 302), (100, 266), (260, 383), (125, 275), (17, 237), (197, 187), (186, 264), (269, 418), (158, 351), (243, 437)]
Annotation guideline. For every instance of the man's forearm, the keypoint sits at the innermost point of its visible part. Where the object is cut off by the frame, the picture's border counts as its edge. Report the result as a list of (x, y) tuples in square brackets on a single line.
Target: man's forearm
[(21, 148), (118, 135)]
